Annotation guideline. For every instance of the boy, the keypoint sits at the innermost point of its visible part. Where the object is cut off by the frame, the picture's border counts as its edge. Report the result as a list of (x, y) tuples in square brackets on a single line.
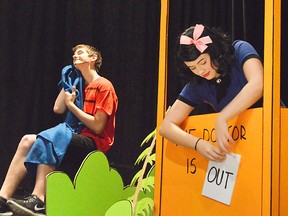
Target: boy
[(98, 118)]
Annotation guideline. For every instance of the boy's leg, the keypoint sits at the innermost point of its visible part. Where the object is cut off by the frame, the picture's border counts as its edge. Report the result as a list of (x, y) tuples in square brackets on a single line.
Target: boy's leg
[(35, 203), (78, 149), (17, 170), (16, 173), (40, 183)]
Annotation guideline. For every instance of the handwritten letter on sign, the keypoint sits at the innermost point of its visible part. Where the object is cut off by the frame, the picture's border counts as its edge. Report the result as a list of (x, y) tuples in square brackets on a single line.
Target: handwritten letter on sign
[(220, 179)]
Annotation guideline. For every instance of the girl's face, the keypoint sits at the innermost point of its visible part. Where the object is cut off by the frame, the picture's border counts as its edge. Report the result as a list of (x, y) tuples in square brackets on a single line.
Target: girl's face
[(203, 67)]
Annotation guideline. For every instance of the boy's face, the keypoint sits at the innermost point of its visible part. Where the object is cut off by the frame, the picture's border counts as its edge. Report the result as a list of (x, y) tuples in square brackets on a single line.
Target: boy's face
[(81, 57)]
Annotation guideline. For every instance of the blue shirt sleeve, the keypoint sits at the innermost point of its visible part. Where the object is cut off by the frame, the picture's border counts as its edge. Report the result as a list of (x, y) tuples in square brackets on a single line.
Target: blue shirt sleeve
[(244, 51)]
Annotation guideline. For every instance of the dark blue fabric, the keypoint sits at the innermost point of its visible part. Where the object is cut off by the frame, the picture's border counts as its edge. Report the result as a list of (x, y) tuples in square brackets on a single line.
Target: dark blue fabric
[(72, 77), (51, 144), (205, 92), (49, 147)]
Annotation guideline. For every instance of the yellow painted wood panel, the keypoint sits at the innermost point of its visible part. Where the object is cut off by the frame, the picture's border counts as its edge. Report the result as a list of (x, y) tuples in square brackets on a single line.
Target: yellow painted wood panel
[(181, 188), (162, 96), (268, 126)]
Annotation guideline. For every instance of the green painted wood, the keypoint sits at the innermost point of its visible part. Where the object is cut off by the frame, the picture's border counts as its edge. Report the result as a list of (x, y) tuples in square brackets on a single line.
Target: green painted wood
[(96, 189)]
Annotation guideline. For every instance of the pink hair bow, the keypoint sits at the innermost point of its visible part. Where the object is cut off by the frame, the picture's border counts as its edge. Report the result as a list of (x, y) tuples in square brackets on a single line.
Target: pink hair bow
[(200, 43)]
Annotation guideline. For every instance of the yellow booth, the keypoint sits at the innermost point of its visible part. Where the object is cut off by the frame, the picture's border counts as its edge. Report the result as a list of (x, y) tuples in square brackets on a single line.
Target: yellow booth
[(253, 179)]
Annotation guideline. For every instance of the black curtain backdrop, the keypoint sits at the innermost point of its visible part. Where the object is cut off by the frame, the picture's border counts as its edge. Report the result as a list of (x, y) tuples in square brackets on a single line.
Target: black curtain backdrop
[(284, 52), (36, 39)]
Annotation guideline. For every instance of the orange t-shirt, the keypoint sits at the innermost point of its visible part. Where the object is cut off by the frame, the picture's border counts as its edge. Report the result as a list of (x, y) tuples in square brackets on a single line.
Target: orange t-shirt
[(100, 95)]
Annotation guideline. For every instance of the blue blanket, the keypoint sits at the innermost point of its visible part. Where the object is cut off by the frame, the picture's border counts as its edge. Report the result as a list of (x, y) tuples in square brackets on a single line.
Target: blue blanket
[(51, 144), (72, 77)]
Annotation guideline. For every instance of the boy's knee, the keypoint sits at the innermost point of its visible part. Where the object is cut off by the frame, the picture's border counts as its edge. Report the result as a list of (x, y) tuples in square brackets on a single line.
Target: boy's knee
[(26, 142)]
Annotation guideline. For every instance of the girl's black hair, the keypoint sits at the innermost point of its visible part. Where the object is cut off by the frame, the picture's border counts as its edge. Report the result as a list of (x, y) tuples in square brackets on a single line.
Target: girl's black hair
[(220, 50)]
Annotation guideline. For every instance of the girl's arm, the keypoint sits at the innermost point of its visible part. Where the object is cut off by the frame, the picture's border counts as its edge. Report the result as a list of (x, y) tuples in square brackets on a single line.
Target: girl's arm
[(170, 129), (250, 94)]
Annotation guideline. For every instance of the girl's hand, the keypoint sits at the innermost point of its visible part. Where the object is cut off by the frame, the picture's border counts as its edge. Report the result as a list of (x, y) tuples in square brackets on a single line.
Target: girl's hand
[(222, 136), (209, 151)]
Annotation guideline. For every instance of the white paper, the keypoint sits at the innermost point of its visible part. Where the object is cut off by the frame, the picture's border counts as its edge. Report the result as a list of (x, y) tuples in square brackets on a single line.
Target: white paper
[(220, 179)]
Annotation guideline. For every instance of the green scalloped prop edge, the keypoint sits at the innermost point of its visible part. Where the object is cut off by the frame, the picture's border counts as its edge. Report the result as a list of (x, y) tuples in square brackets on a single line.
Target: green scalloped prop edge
[(97, 190)]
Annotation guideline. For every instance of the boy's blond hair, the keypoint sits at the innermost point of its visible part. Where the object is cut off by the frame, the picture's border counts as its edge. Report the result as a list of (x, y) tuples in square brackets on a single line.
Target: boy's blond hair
[(91, 52)]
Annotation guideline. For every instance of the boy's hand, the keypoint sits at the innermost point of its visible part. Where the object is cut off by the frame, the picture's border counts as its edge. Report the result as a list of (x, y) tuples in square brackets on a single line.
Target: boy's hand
[(70, 97)]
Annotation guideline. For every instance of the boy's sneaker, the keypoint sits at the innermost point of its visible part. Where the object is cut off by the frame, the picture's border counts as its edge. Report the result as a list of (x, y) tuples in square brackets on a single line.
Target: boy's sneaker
[(30, 205), (4, 208)]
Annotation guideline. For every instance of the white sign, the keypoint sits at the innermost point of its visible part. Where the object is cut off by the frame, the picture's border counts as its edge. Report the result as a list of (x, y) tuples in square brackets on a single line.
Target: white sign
[(220, 178)]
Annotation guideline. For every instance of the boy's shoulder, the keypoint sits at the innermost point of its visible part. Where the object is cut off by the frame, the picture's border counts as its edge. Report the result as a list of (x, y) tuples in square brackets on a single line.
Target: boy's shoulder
[(102, 84)]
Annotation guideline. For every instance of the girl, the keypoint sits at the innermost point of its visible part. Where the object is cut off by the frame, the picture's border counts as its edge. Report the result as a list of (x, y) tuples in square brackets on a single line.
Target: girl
[(227, 76)]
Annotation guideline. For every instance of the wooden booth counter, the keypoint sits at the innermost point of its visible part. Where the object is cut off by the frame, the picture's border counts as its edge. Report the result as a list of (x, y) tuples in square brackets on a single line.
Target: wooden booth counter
[(184, 172)]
